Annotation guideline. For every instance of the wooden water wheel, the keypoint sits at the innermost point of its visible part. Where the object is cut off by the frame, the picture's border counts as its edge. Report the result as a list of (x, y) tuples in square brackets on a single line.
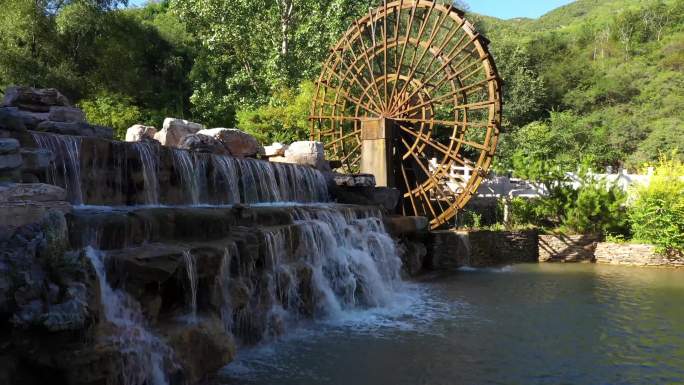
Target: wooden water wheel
[(413, 79)]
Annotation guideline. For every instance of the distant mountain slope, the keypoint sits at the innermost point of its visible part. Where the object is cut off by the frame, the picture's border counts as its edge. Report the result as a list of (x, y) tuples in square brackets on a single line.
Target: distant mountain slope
[(611, 70)]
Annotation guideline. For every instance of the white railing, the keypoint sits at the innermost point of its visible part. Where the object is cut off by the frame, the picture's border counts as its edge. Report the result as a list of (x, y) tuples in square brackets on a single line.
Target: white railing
[(455, 178)]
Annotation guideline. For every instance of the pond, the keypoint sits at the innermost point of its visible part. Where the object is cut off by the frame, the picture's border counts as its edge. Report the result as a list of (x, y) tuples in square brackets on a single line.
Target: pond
[(522, 324)]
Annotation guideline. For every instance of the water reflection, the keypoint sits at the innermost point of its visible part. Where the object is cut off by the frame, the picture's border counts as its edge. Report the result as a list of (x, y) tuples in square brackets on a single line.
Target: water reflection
[(529, 324)]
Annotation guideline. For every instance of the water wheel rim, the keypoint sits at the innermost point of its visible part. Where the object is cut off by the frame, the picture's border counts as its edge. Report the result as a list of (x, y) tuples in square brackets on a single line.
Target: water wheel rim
[(423, 65)]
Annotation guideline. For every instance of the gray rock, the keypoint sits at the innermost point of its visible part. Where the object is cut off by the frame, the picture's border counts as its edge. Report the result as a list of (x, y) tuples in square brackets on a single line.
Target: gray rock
[(28, 314), (203, 143), (275, 149), (10, 162), (78, 129), (34, 99), (32, 119), (9, 146), (174, 130), (102, 132), (66, 114), (384, 197), (306, 153), (239, 143), (35, 159), (39, 192), (63, 128), (139, 132), (11, 120), (354, 180)]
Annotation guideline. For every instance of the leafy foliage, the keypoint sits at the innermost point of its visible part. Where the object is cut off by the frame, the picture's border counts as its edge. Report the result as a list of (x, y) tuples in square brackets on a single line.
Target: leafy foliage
[(657, 213), (112, 110), (283, 119)]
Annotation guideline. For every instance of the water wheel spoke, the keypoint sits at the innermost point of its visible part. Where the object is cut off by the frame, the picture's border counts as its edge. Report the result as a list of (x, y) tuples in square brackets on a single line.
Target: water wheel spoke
[(352, 72)]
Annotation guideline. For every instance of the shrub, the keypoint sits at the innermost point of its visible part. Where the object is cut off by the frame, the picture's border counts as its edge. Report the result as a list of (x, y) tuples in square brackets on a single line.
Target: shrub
[(594, 206), (657, 212), (112, 110), (283, 119)]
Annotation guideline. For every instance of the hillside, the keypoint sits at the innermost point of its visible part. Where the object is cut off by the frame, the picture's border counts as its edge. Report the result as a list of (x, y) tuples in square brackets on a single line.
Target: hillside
[(594, 80)]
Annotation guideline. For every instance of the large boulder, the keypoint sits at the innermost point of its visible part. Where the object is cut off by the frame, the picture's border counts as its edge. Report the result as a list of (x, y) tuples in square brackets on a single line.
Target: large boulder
[(9, 146), (139, 132), (76, 128), (10, 158), (276, 149), (11, 120), (34, 99), (35, 159), (238, 143), (66, 114), (203, 143), (176, 129), (21, 204), (306, 153)]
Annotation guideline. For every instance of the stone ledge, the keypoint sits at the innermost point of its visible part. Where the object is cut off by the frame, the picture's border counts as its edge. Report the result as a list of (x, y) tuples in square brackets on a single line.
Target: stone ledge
[(634, 254), (567, 248)]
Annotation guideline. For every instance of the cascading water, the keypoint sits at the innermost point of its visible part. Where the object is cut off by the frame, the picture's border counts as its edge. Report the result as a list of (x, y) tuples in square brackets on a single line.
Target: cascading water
[(150, 168), (341, 261), (65, 170), (191, 269), (185, 166), (144, 356), (114, 170)]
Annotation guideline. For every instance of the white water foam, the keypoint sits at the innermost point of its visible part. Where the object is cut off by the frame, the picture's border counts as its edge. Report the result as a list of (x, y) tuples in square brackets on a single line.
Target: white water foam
[(144, 356)]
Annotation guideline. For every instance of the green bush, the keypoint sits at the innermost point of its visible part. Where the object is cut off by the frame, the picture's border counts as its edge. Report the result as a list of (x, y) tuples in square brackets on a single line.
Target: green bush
[(595, 206), (657, 212), (283, 119), (112, 110)]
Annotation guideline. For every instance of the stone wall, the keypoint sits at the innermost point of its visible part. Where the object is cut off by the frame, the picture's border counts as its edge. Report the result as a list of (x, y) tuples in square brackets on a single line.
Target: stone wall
[(636, 255), (567, 248), (452, 249)]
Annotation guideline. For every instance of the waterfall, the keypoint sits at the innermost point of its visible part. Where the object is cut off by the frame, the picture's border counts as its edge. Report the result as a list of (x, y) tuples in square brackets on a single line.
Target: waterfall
[(191, 269), (144, 355), (185, 166), (150, 168), (114, 170), (65, 169), (331, 261)]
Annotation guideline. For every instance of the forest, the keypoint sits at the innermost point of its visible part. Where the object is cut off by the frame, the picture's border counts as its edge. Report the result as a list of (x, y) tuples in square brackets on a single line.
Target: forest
[(597, 82)]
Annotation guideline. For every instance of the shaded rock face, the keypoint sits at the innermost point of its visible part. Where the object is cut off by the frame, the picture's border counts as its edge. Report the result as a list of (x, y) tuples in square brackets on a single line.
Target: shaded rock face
[(139, 132), (21, 204), (203, 143), (75, 128), (385, 197), (47, 304), (66, 114), (174, 130), (238, 143), (34, 99), (11, 119), (46, 110)]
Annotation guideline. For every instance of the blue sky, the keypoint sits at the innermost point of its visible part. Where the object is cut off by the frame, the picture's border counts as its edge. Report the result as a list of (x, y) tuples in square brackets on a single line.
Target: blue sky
[(507, 9), (504, 9)]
